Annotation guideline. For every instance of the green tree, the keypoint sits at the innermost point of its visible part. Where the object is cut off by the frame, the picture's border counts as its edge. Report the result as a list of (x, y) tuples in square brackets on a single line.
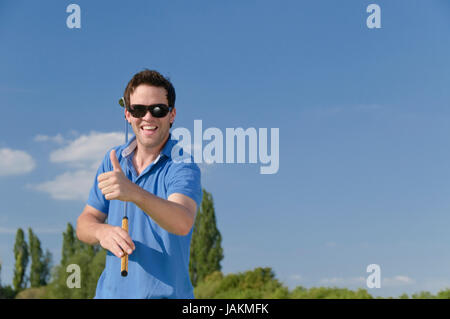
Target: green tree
[(69, 241), (47, 267), (329, 293), (206, 250), (40, 263), (21, 256), (91, 262), (259, 283), (444, 294), (423, 295), (90, 259)]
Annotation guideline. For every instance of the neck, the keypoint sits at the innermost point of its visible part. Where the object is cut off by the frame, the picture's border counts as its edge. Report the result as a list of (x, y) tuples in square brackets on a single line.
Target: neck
[(146, 155)]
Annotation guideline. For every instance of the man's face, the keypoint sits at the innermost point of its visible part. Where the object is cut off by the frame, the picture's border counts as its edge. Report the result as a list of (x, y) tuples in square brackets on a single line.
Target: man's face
[(151, 132)]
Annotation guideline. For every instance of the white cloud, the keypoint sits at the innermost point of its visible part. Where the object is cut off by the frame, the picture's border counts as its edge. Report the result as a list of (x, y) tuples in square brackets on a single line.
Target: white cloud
[(83, 156), (87, 150), (59, 139), (69, 186), (339, 281), (296, 277), (15, 162), (397, 281)]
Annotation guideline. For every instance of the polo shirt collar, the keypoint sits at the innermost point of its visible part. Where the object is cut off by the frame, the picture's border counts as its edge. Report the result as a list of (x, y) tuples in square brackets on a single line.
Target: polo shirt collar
[(166, 150)]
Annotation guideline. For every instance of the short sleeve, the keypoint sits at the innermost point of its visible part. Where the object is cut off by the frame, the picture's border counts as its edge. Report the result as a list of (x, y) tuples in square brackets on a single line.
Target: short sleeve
[(96, 198), (185, 178)]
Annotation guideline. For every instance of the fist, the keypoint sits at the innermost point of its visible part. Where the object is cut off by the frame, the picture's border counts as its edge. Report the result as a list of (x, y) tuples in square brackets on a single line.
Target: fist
[(114, 184), (116, 240)]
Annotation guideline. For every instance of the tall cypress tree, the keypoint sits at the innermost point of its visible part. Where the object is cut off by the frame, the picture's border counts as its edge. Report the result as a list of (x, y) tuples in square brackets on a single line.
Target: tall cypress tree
[(21, 256), (40, 264), (46, 270), (68, 247), (206, 250)]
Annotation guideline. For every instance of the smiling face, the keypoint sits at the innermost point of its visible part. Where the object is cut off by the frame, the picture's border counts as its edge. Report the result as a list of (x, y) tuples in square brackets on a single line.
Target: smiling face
[(151, 132)]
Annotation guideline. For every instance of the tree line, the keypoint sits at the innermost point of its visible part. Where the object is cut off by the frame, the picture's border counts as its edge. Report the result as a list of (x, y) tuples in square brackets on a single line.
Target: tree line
[(39, 274), (42, 280)]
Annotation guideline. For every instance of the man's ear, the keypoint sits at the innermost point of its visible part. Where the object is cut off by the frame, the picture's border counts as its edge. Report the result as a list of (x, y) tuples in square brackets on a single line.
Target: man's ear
[(127, 115), (173, 113)]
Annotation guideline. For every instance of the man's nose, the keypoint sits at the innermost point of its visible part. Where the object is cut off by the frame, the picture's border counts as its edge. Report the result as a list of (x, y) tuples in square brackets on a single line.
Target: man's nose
[(148, 116)]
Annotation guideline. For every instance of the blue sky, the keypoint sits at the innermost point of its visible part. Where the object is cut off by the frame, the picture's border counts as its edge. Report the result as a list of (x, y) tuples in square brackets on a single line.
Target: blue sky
[(363, 116)]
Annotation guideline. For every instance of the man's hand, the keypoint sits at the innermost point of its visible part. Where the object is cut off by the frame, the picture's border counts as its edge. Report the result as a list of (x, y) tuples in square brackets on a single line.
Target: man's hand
[(115, 239), (114, 184)]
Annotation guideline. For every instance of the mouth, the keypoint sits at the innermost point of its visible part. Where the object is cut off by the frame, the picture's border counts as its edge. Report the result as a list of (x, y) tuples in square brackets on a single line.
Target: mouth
[(148, 130)]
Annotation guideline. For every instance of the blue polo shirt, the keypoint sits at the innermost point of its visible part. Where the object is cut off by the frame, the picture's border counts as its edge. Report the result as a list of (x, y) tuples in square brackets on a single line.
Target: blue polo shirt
[(159, 266)]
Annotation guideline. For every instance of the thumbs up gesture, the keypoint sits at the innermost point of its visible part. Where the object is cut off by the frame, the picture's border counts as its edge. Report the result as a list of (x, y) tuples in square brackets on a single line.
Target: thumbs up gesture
[(114, 184)]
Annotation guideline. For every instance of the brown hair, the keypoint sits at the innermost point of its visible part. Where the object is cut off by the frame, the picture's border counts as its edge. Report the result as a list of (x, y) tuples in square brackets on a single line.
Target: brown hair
[(150, 77)]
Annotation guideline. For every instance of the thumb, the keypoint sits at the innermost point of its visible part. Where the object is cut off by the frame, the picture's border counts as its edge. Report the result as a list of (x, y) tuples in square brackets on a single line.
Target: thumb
[(115, 161)]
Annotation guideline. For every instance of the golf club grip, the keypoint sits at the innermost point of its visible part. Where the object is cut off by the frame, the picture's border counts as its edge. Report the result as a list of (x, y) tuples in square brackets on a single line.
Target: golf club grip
[(124, 259)]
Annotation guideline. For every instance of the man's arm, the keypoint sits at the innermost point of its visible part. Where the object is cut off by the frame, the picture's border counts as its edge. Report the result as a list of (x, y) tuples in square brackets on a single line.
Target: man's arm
[(176, 214), (91, 229)]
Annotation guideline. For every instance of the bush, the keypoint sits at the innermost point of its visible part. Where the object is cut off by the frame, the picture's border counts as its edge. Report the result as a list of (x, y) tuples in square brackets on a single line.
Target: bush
[(329, 293), (444, 294), (7, 292), (423, 295), (259, 283), (33, 293)]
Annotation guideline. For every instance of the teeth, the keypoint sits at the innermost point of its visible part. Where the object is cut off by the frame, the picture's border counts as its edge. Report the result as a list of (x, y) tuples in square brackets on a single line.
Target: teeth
[(149, 127)]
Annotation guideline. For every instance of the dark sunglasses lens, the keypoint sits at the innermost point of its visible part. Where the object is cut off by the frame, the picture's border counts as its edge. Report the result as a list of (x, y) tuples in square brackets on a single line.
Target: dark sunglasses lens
[(137, 110), (159, 111), (140, 110), (156, 110)]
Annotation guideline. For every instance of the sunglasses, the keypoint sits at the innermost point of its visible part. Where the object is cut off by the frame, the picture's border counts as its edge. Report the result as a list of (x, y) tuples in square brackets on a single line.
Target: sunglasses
[(156, 110)]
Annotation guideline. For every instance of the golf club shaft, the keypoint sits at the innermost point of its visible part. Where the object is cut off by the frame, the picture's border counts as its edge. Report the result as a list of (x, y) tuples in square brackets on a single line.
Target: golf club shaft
[(124, 259), (126, 141)]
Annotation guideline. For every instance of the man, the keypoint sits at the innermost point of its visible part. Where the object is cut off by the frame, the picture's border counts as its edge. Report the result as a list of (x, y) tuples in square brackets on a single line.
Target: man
[(162, 196)]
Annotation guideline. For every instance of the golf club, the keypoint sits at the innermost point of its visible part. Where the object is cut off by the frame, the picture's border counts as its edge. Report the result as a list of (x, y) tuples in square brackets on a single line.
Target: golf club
[(124, 259)]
